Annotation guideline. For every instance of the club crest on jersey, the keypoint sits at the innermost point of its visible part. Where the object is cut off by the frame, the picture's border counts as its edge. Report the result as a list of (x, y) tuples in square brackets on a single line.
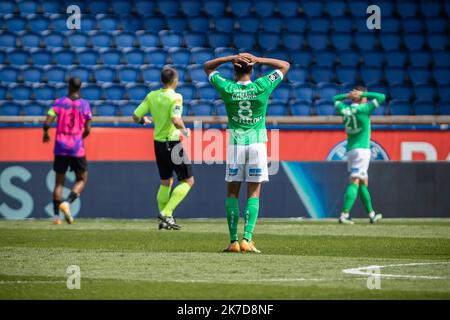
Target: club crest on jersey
[(274, 76)]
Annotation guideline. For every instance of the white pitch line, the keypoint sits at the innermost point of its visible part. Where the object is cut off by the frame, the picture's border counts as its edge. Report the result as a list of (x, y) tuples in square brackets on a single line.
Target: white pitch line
[(359, 271), (31, 281)]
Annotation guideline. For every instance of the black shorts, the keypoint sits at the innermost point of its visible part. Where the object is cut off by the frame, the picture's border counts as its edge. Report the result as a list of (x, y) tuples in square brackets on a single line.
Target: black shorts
[(166, 167), (62, 163)]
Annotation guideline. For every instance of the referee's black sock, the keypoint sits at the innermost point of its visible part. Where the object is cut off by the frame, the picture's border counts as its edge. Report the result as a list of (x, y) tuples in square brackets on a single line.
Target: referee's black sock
[(72, 197), (56, 204)]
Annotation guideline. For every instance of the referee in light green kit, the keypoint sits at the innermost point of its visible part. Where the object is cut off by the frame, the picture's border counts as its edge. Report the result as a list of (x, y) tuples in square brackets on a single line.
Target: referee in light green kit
[(166, 108)]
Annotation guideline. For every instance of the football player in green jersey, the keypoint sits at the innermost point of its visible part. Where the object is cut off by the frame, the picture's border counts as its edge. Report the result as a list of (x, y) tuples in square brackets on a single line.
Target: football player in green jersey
[(166, 108), (246, 106), (356, 118)]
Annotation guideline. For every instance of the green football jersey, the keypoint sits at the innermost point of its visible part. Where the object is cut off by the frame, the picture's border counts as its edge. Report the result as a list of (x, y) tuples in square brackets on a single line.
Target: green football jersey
[(246, 105), (163, 105), (356, 118)]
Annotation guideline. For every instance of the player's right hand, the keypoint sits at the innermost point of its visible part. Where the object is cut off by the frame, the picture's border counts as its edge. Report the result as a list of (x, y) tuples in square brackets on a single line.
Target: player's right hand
[(46, 138), (186, 132), (251, 59)]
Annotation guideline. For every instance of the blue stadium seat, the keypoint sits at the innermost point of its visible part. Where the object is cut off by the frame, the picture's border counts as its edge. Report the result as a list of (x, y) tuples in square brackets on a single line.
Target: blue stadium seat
[(78, 40), (371, 74), (110, 56), (128, 75), (202, 108), (55, 75), (277, 54), (121, 7), (444, 92), (218, 39), (325, 108), (7, 7), (14, 23), (92, 92), (180, 56), (283, 92), (156, 56), (391, 25), (124, 39), (335, 8), (168, 8), (379, 111), (177, 23), (106, 23), (394, 75), (387, 7), (430, 9), (29, 40), (301, 108), (373, 58), (414, 41), (407, 8), (226, 70), (342, 41), (220, 108), (413, 25), (223, 24), (147, 39), (358, 8), (194, 39), (41, 57), (268, 40), (201, 55), (346, 74), (127, 107), (131, 23), (170, 38), (265, 8), (196, 73), (151, 74), (312, 8), (425, 92), (214, 8), (325, 58), (10, 108), (298, 74), (304, 91), (188, 91), (43, 92), (20, 92), (18, 57), (399, 108), (327, 91), (437, 41), (191, 8), (34, 109), (87, 57), (113, 91), (292, 41), (321, 74), (27, 7), (32, 75), (343, 24), (3, 93), (101, 40), (53, 40), (134, 57), (443, 107), (348, 57), (104, 74), (206, 91), (317, 40), (106, 109), (248, 24), (243, 40), (295, 24), (88, 24), (390, 41), (64, 57), (83, 73), (98, 6), (365, 41), (277, 108), (301, 57), (400, 92), (319, 24), (436, 25), (2, 57), (419, 75), (198, 24), (395, 58), (441, 75), (272, 24), (58, 22), (420, 58), (153, 24), (288, 8), (224, 51), (424, 108), (360, 23), (137, 91), (241, 8), (378, 87), (7, 40)]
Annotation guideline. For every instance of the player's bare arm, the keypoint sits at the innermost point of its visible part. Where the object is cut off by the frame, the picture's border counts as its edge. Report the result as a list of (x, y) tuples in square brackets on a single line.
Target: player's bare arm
[(281, 65), (48, 120), (179, 124), (87, 128), (210, 66)]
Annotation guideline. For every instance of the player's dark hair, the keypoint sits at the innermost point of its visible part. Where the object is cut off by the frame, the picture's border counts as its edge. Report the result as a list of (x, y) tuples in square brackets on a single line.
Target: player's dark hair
[(74, 84), (244, 68), (361, 88), (168, 75)]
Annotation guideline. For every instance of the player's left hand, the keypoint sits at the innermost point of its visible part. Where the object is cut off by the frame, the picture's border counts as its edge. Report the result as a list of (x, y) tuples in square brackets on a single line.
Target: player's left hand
[(46, 138), (145, 121)]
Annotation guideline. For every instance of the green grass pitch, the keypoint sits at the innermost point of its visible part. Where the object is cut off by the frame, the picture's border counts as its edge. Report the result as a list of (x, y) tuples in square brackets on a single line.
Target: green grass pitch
[(301, 259)]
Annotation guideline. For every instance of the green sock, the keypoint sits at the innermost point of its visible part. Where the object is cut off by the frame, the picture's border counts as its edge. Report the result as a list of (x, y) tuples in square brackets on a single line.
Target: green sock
[(176, 197), (250, 216), (232, 208), (163, 196), (365, 198), (350, 197)]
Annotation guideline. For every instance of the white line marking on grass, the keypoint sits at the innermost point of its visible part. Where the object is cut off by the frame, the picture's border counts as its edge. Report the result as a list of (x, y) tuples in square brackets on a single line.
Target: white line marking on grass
[(31, 282), (360, 270)]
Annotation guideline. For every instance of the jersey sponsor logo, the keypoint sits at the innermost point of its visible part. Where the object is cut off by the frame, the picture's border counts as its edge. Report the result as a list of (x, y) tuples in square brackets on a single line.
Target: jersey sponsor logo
[(255, 172), (339, 152), (274, 76)]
